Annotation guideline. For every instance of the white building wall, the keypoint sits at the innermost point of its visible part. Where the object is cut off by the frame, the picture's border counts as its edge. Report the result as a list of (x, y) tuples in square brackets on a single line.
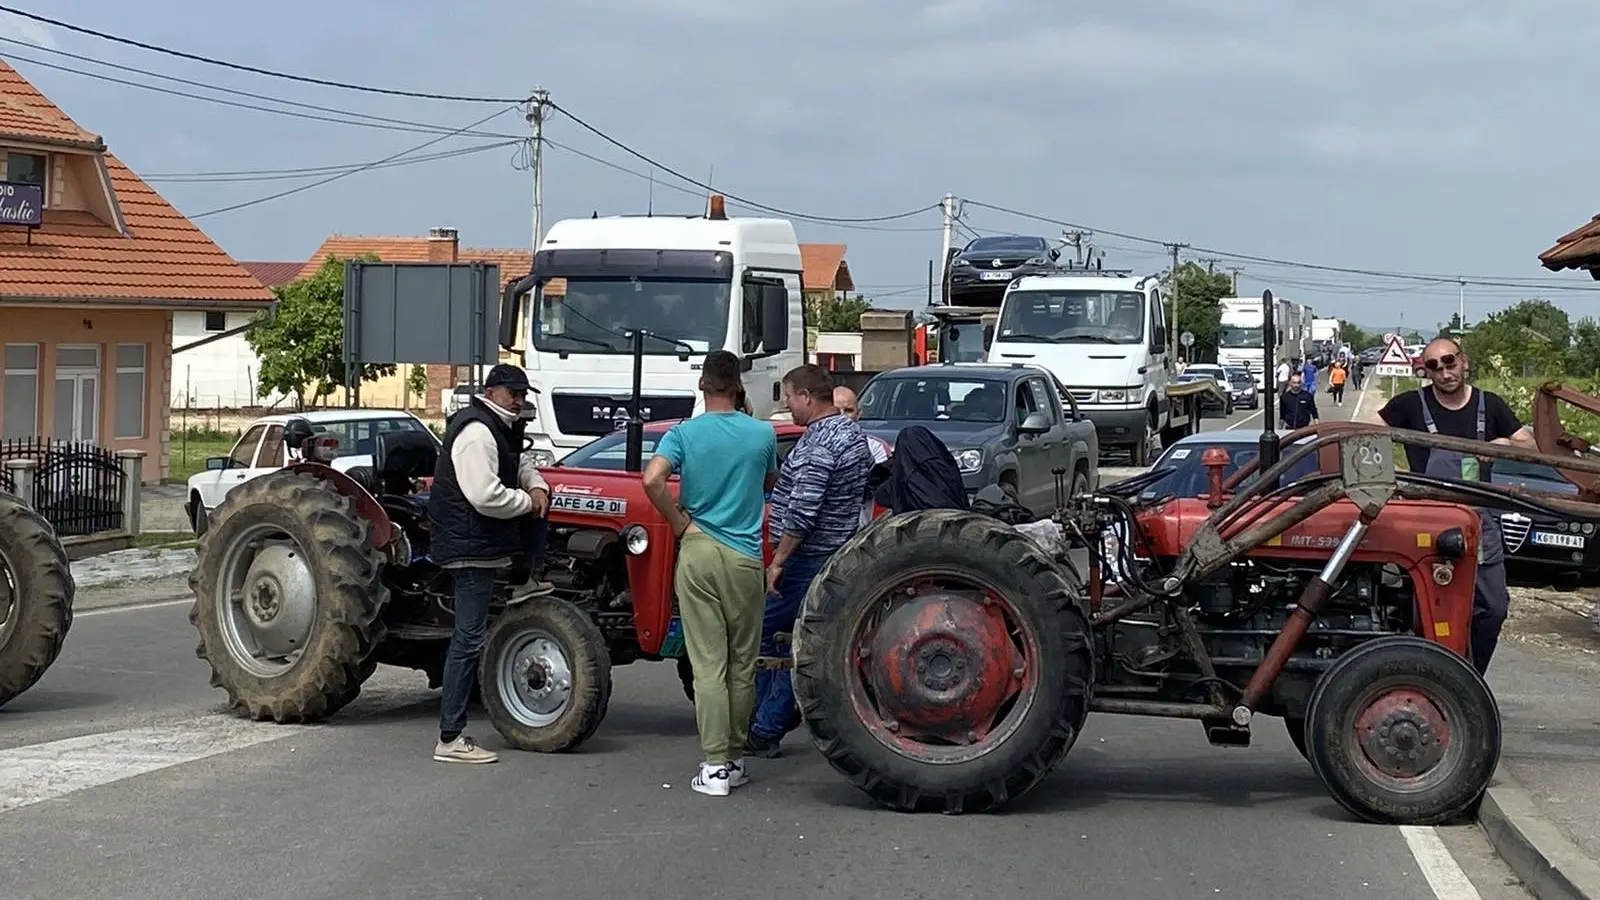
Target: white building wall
[(219, 375)]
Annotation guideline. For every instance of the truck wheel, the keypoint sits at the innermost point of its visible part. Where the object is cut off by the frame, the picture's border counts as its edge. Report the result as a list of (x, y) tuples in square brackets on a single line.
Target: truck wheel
[(943, 661), (545, 676), (36, 591), (288, 598), (1403, 732)]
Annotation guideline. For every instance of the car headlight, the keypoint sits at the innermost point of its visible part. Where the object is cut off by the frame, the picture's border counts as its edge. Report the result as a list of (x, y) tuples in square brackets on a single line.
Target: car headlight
[(1588, 528), (1113, 396), (544, 459), (968, 461), (957, 263), (1037, 261), (635, 540)]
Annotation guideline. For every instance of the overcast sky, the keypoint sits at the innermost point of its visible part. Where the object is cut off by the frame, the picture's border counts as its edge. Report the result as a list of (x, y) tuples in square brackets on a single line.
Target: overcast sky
[(1425, 137)]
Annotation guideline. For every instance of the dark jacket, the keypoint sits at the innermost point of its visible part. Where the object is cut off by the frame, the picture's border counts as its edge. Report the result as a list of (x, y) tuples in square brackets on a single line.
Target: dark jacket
[(458, 532), (1297, 409), (922, 474)]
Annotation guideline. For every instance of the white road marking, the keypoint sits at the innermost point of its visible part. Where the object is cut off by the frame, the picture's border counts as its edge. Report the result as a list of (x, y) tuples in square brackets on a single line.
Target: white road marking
[(1444, 874), (40, 772), (132, 607), (1247, 419), (1361, 396)]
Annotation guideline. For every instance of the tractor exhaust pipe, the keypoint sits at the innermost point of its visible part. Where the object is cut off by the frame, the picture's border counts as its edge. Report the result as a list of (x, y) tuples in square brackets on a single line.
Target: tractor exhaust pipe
[(1268, 449)]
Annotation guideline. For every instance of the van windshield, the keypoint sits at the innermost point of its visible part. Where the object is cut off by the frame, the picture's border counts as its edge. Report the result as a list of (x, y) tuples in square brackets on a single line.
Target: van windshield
[(1236, 336), (595, 315), (1072, 317)]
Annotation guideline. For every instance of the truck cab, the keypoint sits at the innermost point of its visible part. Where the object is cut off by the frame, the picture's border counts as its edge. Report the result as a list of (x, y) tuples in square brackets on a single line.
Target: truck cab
[(691, 284), (957, 334), (1104, 335)]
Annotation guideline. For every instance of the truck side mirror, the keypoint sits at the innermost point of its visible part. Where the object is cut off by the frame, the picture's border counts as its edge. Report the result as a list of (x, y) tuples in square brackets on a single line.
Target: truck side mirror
[(511, 300), (774, 318)]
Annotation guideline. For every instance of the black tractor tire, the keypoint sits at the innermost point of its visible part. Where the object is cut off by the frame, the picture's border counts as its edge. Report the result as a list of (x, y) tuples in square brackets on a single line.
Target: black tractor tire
[(588, 665), (1296, 727), (199, 521), (347, 625), (686, 676), (1356, 684), (1080, 482), (36, 591), (1044, 602)]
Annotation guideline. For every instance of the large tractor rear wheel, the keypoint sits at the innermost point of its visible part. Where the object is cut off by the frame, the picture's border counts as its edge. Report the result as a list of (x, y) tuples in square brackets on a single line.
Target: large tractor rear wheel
[(1403, 732), (288, 598), (943, 662), (36, 592), (545, 676)]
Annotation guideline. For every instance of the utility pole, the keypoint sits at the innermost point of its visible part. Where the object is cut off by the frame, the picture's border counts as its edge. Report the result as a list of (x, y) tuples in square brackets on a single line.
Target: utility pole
[(1461, 306), (537, 107), (1234, 271), (1211, 264), (1172, 291), (948, 206), (1075, 239)]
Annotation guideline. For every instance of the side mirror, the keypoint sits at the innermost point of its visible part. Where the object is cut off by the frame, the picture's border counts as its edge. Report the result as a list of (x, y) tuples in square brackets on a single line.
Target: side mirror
[(216, 463), (1034, 423), (774, 318), (511, 300)]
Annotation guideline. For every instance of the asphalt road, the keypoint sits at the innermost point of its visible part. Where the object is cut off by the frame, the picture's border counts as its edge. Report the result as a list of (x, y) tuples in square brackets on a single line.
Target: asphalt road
[(120, 779)]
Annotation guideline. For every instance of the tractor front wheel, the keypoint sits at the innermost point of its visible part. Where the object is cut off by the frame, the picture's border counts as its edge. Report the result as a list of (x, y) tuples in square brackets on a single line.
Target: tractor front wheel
[(36, 591), (943, 662), (288, 598), (545, 676), (1403, 732)]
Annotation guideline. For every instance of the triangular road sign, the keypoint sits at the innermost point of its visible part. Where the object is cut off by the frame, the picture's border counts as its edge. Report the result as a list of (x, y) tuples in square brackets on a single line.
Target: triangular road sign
[(1394, 353)]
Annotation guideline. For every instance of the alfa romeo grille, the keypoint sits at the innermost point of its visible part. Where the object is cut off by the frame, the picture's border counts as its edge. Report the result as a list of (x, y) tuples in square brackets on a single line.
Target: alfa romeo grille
[(1514, 530)]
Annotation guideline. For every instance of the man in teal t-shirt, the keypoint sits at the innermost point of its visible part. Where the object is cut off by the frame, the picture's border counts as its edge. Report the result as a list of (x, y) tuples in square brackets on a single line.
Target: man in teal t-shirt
[(726, 462)]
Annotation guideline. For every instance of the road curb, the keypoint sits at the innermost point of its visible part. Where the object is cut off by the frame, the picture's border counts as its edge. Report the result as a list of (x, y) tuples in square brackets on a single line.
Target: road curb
[(1549, 864)]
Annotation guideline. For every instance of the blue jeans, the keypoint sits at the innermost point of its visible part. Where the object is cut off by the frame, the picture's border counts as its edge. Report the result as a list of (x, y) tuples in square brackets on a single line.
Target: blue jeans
[(774, 690)]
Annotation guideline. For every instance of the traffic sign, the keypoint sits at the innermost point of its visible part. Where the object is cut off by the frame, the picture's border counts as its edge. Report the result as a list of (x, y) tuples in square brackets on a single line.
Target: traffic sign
[(1186, 339), (1395, 371), (1394, 353)]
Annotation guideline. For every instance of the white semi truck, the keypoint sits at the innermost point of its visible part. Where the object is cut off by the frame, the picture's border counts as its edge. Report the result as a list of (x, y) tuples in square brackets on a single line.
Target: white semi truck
[(691, 284)]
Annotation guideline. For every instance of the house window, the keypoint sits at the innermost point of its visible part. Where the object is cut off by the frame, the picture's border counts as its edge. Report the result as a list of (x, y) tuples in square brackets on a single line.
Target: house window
[(26, 168), (216, 321), (19, 408), (130, 398)]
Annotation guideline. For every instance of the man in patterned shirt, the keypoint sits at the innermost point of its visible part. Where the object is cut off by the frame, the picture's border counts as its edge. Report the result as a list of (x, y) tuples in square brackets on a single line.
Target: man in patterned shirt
[(816, 508)]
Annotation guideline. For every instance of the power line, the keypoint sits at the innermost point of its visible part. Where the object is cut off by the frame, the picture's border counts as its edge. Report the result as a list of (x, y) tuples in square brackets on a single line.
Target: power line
[(332, 178), (304, 79), (254, 175), (777, 211), (377, 121)]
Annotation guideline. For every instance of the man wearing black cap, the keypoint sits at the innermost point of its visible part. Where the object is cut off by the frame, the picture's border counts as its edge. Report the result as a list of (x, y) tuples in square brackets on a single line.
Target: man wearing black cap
[(486, 514)]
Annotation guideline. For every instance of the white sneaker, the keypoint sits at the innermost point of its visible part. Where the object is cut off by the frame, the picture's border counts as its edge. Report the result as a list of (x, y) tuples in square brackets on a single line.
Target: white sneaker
[(521, 593), (738, 775), (712, 780), (463, 750)]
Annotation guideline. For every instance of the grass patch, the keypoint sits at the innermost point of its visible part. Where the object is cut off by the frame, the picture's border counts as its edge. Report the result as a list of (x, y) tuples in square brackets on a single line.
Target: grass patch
[(190, 450), (167, 540)]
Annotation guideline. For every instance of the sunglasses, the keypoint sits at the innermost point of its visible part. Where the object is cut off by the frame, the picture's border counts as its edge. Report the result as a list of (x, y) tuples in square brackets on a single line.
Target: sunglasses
[(1447, 361)]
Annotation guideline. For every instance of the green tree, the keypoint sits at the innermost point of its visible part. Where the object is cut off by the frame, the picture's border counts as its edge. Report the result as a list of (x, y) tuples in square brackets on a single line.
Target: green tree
[(1583, 357), (841, 313), (1195, 295), (1532, 338), (1357, 337), (417, 381), (301, 343)]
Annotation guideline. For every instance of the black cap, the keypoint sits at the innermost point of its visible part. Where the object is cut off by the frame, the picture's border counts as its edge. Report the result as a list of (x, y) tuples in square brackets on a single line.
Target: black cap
[(507, 376)]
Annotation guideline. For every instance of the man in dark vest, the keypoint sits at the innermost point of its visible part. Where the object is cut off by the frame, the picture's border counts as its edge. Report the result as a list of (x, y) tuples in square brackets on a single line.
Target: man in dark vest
[(486, 514)]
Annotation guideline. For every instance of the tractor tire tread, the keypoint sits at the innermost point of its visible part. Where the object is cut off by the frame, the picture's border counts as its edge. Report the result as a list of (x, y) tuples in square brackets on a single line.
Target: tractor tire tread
[(589, 658), (42, 606)]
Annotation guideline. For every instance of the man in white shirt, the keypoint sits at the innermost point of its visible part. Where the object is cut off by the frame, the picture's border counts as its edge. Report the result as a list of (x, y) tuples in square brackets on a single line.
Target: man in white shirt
[(845, 401), (1283, 376)]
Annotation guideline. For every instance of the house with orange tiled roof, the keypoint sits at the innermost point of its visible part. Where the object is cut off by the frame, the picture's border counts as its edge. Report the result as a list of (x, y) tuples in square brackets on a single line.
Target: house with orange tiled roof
[(94, 264)]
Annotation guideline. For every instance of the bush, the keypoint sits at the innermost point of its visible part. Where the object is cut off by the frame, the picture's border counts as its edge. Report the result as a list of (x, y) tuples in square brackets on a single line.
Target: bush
[(1519, 392)]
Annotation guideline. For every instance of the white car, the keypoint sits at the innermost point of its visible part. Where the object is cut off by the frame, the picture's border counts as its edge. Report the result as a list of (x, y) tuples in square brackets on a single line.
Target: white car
[(261, 450)]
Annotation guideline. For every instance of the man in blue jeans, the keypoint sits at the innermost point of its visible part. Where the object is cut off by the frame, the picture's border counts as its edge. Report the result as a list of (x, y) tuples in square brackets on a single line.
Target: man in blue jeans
[(816, 508)]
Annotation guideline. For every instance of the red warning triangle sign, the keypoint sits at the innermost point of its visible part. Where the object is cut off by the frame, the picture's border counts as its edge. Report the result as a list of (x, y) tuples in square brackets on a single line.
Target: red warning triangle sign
[(1394, 353)]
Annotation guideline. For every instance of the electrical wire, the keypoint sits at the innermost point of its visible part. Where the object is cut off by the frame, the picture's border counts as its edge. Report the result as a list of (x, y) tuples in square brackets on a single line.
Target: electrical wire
[(212, 61), (258, 175), (335, 177)]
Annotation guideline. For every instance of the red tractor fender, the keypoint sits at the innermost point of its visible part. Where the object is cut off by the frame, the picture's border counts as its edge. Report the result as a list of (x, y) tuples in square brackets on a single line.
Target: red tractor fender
[(367, 506)]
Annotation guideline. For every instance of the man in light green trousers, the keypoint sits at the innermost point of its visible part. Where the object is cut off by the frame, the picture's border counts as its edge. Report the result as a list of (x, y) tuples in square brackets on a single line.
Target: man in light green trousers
[(726, 461)]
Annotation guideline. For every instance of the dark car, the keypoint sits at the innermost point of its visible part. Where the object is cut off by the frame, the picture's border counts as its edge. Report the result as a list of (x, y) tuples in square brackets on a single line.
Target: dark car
[(980, 271), (1242, 387), (1370, 356), (1548, 542), (1006, 425), (1212, 373)]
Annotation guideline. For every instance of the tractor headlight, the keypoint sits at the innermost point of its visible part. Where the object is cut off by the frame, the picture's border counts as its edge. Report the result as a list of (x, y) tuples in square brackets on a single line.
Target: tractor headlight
[(968, 461), (635, 540)]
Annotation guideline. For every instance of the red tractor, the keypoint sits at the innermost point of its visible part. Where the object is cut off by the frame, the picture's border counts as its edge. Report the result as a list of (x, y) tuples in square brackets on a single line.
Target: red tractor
[(947, 661), (309, 578)]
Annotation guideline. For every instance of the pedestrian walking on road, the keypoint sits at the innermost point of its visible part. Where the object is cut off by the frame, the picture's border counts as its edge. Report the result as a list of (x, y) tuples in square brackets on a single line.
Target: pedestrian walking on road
[(1450, 406), (1296, 408), (725, 461), (486, 514), (1308, 377), (1336, 379), (816, 508), (1282, 379)]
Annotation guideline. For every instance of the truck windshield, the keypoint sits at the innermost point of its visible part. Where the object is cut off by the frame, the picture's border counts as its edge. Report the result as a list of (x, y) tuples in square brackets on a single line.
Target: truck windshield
[(1237, 336), (594, 315), (1072, 317)]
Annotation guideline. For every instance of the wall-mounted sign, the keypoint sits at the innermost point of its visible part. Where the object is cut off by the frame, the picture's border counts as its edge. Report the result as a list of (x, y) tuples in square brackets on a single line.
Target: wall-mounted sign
[(21, 204)]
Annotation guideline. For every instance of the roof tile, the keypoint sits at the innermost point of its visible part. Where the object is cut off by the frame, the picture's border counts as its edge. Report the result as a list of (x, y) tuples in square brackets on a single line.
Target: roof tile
[(825, 268), (1577, 249)]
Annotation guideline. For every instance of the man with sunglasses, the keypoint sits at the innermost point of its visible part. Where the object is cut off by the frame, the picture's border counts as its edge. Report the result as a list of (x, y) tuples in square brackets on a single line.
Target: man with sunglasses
[(1450, 406)]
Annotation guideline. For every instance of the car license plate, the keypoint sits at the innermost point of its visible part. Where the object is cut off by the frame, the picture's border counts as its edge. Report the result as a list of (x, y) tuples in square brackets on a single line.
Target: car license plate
[(600, 506), (994, 276), (1557, 539)]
